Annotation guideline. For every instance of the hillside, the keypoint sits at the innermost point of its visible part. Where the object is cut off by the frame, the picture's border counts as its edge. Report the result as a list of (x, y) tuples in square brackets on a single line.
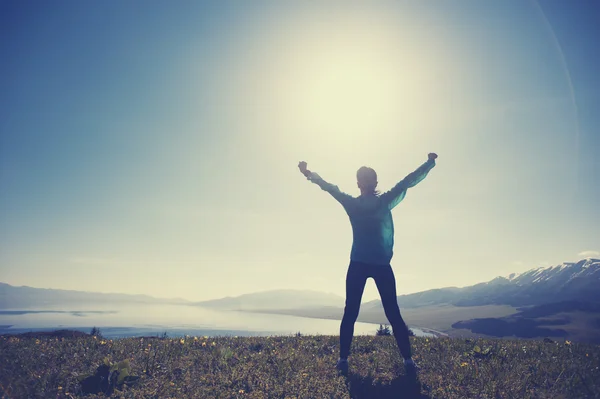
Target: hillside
[(299, 367), (575, 320), (276, 299), (24, 297), (569, 281)]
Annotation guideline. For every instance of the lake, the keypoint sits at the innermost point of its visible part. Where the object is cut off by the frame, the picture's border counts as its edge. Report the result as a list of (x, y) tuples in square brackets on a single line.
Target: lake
[(131, 320)]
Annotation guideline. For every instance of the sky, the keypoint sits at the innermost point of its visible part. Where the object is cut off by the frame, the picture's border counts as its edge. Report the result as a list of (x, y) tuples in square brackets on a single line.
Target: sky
[(153, 149)]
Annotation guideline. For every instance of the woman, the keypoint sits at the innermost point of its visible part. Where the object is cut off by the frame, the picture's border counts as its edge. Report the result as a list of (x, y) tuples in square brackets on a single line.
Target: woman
[(372, 250)]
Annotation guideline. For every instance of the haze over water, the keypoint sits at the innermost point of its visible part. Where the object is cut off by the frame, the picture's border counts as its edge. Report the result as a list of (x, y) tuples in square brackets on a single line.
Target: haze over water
[(176, 320)]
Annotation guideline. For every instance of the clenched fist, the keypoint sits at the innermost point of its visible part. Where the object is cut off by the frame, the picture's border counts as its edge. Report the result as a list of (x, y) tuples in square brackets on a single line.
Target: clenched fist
[(432, 155), (303, 169)]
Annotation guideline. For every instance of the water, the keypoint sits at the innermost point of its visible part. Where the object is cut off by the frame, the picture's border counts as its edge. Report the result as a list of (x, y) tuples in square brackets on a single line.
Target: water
[(129, 320)]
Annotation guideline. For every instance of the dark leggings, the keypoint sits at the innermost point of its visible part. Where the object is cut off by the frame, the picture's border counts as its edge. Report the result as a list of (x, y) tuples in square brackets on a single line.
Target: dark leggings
[(357, 276)]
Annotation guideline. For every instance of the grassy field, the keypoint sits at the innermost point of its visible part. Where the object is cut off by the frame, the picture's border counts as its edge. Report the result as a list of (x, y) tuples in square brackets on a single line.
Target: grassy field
[(299, 367)]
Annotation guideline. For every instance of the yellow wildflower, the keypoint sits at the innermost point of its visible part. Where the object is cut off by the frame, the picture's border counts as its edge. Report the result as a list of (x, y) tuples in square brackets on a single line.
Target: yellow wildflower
[(203, 343), (195, 338), (567, 342), (182, 341), (214, 343), (463, 364), (241, 391)]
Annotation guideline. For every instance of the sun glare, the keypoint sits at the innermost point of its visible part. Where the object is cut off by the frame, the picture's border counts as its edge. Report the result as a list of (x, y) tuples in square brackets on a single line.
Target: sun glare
[(342, 83), (346, 93)]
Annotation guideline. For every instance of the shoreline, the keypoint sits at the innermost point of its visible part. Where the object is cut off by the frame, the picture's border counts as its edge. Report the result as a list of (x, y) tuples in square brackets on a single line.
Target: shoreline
[(290, 312)]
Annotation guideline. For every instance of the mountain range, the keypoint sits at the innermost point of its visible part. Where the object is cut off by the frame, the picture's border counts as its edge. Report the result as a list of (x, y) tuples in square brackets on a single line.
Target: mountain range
[(24, 297), (276, 299), (557, 301), (570, 281)]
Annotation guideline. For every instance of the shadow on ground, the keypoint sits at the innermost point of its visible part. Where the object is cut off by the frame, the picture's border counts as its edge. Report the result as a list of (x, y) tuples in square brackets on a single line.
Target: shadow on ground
[(362, 387)]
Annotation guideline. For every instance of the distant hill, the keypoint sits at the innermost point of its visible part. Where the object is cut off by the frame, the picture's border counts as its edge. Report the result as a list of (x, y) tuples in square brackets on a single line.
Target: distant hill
[(570, 281), (574, 319), (577, 281), (276, 299), (24, 297)]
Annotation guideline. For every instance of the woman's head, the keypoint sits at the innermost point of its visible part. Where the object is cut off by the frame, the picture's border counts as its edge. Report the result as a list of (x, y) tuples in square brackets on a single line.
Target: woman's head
[(367, 180)]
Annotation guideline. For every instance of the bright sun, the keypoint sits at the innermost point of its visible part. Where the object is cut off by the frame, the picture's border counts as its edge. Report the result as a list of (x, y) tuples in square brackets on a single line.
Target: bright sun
[(341, 83)]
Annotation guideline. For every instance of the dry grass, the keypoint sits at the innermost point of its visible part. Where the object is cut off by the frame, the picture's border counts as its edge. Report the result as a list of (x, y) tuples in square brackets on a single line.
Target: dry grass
[(301, 367)]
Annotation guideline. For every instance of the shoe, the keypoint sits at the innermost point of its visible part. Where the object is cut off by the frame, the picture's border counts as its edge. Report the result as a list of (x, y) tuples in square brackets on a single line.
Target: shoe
[(342, 366), (411, 368)]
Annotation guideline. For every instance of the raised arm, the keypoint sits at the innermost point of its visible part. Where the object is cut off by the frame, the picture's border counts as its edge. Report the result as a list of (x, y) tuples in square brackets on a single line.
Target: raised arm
[(398, 192), (332, 189)]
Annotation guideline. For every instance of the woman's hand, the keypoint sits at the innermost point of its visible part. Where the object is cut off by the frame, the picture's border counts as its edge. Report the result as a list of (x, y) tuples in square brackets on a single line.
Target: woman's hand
[(303, 169), (431, 155)]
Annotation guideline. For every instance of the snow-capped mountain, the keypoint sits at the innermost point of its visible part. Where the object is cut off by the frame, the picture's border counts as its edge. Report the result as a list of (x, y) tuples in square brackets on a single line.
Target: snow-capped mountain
[(569, 270), (568, 281)]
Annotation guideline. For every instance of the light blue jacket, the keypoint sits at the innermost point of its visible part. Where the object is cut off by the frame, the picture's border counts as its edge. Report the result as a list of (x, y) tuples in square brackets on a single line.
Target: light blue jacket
[(371, 216)]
